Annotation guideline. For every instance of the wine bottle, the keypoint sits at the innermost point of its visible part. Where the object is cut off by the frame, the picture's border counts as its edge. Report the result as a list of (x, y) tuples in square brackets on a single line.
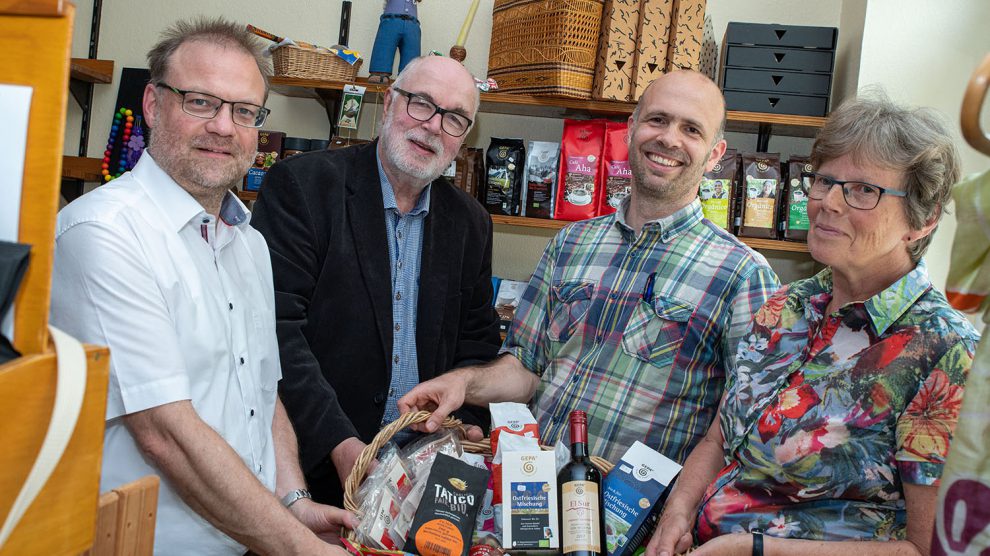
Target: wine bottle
[(579, 488)]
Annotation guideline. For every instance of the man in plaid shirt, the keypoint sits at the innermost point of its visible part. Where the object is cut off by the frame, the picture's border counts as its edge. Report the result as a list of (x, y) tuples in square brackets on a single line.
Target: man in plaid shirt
[(633, 317)]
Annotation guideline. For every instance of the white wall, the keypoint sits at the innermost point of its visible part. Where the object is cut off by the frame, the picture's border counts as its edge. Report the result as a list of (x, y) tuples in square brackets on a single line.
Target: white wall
[(923, 53), (921, 50)]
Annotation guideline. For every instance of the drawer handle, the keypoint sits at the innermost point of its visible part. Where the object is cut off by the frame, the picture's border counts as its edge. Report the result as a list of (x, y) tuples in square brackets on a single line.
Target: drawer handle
[(780, 33), (777, 79), (774, 101), (779, 56)]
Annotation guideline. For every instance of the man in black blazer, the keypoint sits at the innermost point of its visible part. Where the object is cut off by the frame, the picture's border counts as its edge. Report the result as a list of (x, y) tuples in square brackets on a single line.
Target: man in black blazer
[(358, 326)]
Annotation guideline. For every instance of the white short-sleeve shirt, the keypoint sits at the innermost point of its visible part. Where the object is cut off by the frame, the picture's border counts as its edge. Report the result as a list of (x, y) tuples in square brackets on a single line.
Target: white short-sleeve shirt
[(186, 305)]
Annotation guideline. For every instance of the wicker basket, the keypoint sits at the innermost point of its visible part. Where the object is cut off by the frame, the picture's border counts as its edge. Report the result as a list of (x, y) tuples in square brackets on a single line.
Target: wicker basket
[(371, 450), (292, 61), (545, 47)]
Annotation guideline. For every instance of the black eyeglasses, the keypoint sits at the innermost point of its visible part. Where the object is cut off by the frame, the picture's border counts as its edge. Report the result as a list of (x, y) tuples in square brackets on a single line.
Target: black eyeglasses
[(859, 195), (202, 105), (419, 108)]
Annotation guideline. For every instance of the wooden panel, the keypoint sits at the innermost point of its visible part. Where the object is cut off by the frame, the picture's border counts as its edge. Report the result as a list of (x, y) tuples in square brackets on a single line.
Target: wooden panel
[(31, 7), (36, 54), (91, 71), (61, 519), (82, 168), (105, 537), (136, 517)]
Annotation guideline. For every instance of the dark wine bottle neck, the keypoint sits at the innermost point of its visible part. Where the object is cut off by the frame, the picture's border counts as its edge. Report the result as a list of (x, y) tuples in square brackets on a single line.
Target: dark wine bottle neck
[(579, 449)]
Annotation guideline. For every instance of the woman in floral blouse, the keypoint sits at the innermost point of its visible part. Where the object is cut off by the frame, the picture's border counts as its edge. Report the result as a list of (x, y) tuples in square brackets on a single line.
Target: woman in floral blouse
[(835, 424)]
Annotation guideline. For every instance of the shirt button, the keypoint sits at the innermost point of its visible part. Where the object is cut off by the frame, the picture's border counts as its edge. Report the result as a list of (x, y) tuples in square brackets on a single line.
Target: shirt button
[(397, 327), (399, 235), (575, 378), (398, 296), (395, 358), (242, 360), (230, 306), (252, 415), (400, 265)]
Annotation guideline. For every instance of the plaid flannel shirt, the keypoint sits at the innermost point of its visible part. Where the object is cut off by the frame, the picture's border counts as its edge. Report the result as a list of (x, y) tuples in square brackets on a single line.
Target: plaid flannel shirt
[(645, 357)]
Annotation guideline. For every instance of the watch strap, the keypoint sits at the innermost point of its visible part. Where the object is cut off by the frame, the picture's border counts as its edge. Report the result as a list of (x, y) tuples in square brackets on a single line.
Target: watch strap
[(295, 496)]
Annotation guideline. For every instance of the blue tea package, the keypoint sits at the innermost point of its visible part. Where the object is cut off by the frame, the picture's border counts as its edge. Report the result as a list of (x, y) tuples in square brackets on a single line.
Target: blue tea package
[(634, 494)]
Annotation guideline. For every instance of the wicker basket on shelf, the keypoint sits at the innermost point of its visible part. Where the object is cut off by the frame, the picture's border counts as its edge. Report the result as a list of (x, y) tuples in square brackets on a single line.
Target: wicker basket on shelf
[(545, 47), (301, 63)]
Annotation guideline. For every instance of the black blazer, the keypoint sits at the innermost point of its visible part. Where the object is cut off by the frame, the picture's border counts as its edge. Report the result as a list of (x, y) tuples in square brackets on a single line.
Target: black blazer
[(323, 217)]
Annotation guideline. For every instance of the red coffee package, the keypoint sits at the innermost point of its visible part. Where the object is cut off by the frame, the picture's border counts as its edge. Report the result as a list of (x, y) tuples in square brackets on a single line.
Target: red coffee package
[(579, 183), (615, 170)]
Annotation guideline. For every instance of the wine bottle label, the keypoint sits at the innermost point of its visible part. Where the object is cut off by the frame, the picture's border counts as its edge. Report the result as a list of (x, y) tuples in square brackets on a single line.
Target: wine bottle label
[(580, 517)]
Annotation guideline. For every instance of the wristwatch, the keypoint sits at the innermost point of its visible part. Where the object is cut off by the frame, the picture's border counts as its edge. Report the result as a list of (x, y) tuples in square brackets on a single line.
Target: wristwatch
[(295, 496)]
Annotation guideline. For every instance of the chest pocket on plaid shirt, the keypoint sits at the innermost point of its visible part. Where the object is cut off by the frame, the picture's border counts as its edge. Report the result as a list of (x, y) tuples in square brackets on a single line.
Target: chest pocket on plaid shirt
[(655, 331), (571, 301)]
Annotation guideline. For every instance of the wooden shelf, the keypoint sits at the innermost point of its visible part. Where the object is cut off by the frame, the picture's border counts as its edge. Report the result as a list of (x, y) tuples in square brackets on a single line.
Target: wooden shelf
[(247, 195), (91, 71), (555, 107), (755, 243), (82, 168)]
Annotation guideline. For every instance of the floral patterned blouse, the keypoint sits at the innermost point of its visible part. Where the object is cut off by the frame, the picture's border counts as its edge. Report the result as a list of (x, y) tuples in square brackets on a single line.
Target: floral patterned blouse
[(826, 416)]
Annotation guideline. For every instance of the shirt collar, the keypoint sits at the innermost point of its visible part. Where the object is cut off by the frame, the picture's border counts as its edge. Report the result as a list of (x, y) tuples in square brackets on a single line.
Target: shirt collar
[(668, 227), (388, 194), (178, 206), (884, 308)]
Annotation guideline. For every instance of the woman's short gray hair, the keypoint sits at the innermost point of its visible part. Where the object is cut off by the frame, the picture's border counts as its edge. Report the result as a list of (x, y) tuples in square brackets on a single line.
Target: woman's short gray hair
[(915, 141), (212, 30)]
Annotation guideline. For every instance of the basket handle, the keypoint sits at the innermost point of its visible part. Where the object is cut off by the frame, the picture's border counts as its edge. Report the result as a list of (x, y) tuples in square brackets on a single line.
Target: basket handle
[(371, 450)]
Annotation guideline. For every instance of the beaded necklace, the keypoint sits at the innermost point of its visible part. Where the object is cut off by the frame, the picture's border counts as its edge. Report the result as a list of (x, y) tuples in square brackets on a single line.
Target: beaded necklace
[(132, 141)]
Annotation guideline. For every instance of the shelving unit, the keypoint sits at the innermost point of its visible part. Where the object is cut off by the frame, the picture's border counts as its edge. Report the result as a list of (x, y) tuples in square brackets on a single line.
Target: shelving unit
[(755, 243), (328, 92), (84, 73)]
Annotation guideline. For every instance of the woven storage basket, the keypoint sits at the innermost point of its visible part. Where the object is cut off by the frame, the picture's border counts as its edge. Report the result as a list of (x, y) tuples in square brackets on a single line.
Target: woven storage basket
[(545, 47), (368, 455), (292, 61)]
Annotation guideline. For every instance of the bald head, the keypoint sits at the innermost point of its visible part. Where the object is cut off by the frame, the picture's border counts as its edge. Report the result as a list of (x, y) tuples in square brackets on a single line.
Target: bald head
[(448, 72), (711, 103)]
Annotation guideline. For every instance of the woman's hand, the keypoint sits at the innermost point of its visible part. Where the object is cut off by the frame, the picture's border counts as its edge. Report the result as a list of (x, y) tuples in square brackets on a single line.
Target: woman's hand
[(673, 535)]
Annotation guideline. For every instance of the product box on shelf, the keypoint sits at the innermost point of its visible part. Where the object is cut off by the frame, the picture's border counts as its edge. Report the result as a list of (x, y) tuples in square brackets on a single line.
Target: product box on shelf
[(709, 51), (654, 41), (507, 298), (617, 50), (634, 495), (269, 152), (687, 29)]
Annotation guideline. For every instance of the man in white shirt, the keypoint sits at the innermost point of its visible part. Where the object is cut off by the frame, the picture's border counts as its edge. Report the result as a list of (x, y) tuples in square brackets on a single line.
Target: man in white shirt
[(162, 266)]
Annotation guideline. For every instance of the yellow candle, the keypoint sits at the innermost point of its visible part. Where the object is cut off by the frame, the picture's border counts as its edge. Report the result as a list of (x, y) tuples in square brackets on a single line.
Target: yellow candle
[(462, 36)]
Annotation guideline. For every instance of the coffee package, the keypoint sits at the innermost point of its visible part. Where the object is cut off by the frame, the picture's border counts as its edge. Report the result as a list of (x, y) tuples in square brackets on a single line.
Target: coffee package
[(635, 492), (794, 221), (578, 183), (529, 508), (615, 168), (269, 152), (717, 190), (509, 294), (760, 195), (448, 511), (504, 167), (541, 179)]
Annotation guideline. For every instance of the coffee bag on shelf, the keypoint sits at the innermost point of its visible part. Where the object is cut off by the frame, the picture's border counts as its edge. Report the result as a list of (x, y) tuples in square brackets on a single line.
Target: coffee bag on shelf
[(541, 179), (761, 194), (615, 170), (578, 184), (504, 175), (717, 190)]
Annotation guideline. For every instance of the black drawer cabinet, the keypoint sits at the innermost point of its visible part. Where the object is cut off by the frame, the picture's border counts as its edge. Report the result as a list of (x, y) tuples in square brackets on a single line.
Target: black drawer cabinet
[(779, 69)]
